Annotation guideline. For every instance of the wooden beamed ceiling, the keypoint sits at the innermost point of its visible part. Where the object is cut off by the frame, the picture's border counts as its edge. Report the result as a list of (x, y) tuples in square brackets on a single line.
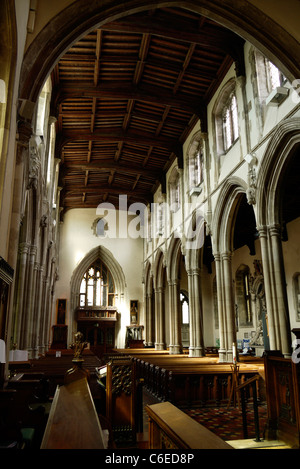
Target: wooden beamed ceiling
[(127, 95)]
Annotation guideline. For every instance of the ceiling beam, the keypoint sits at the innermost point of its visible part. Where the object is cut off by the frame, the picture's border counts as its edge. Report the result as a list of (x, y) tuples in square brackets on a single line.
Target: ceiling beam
[(117, 136), (66, 168), (118, 90), (175, 30)]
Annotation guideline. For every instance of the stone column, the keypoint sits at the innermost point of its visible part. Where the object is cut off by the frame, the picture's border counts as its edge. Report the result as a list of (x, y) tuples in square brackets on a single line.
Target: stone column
[(263, 235), (149, 320), (27, 319), (20, 293), (280, 288), (171, 317), (199, 343), (159, 324), (192, 329), (175, 318), (229, 304), (220, 297)]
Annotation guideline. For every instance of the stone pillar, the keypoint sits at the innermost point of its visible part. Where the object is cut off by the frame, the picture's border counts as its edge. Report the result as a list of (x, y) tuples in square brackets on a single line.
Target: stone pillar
[(159, 323), (269, 288), (280, 288), (171, 317), (20, 293), (149, 320), (229, 304), (221, 308), (196, 348), (199, 342), (27, 319), (192, 330), (175, 326)]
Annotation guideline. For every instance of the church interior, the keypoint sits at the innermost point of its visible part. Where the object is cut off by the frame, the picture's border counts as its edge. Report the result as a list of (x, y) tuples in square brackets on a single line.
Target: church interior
[(149, 224)]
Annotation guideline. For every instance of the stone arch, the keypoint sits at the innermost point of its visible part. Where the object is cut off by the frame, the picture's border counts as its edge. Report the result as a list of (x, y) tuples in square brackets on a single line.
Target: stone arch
[(158, 268), (8, 56), (79, 18), (173, 258), (223, 219), (108, 259), (149, 305), (278, 154), (278, 157)]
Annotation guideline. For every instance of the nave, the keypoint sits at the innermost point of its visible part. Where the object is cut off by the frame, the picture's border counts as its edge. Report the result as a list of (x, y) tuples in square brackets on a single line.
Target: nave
[(134, 395)]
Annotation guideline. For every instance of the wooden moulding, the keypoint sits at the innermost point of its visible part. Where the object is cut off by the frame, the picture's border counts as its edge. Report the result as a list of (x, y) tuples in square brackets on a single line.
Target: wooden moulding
[(169, 428)]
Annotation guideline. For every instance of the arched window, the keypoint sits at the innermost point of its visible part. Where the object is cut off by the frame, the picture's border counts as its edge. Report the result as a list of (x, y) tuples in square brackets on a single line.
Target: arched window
[(196, 167), (174, 187), (268, 83), (97, 286), (274, 77), (230, 122), (225, 115)]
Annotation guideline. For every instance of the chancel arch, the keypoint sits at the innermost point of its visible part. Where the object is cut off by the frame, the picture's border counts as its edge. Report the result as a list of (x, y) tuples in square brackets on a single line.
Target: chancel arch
[(102, 256), (76, 19)]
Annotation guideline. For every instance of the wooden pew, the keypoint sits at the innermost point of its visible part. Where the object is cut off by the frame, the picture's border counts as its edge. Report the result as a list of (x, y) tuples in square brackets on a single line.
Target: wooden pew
[(170, 428), (22, 424), (189, 380), (73, 422), (283, 398)]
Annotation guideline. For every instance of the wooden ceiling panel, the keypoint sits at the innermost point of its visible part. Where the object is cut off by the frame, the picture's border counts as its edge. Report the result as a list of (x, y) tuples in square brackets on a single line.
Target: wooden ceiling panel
[(126, 97)]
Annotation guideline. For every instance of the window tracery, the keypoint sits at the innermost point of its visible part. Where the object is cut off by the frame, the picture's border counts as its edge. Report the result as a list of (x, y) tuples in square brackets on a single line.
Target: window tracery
[(230, 122), (97, 286)]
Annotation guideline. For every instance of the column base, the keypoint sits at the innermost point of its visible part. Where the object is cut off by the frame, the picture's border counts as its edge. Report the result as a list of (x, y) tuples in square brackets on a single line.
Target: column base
[(196, 352), (175, 349), (159, 346), (222, 356)]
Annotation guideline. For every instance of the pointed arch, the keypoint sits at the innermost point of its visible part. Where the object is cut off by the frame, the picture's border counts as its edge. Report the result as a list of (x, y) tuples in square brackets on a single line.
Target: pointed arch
[(285, 139), (158, 269), (173, 258), (108, 259), (79, 18), (223, 220)]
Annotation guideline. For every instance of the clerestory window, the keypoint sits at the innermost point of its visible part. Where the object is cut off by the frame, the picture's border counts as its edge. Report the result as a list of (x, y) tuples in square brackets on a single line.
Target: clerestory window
[(230, 122), (196, 167)]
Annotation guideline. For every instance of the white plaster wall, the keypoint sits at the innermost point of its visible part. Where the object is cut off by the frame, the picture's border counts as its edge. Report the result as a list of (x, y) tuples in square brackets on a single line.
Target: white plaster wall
[(77, 239)]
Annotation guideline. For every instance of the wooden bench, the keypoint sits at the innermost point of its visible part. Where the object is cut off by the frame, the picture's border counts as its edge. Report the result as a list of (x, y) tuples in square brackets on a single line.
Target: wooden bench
[(170, 428), (22, 417), (73, 421), (186, 380)]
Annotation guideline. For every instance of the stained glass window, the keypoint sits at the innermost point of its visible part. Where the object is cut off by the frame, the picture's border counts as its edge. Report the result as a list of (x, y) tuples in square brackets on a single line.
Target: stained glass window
[(97, 286)]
